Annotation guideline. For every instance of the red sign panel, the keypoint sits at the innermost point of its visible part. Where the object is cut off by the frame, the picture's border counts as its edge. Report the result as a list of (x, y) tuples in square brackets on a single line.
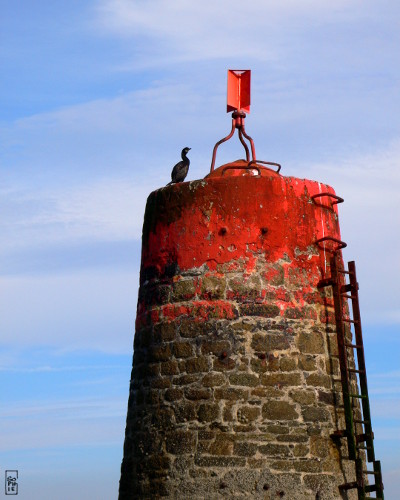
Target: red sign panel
[(238, 90)]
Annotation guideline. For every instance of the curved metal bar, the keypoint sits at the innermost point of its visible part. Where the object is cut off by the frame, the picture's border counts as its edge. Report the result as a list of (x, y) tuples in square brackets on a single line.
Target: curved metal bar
[(267, 163), (219, 143), (240, 167), (244, 144), (341, 244), (336, 197), (253, 151)]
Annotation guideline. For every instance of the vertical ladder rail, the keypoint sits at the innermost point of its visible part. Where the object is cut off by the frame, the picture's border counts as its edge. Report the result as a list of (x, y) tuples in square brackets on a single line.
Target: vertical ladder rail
[(362, 374), (368, 434)]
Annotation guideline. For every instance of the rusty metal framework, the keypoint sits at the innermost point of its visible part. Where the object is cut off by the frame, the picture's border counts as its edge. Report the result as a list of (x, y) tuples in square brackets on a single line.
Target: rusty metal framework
[(238, 101), (237, 123)]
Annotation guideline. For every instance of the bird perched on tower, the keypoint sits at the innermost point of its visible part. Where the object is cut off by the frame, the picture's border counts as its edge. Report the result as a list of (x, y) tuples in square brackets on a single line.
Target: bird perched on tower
[(179, 172)]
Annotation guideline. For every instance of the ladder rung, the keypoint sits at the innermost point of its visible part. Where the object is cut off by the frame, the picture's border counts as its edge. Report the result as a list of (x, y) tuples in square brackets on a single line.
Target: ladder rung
[(325, 282), (344, 272), (352, 370), (348, 486), (346, 288), (364, 447), (350, 321), (346, 296), (339, 434), (359, 396), (355, 346), (371, 472), (361, 421), (363, 437), (373, 487)]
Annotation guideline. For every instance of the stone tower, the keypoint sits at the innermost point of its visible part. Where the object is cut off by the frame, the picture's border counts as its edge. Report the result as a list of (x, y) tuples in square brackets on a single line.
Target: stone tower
[(235, 387)]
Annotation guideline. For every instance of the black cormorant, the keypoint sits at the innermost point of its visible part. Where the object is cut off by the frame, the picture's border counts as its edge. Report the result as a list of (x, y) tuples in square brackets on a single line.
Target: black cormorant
[(179, 172)]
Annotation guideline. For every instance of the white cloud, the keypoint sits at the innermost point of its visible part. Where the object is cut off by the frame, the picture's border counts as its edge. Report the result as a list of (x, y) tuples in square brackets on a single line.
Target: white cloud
[(118, 114), (62, 423), (184, 30), (110, 209), (57, 369), (82, 310), (127, 135), (101, 210), (64, 410)]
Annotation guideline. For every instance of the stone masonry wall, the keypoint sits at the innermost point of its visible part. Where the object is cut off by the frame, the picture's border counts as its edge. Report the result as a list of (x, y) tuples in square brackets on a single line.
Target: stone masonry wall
[(235, 385)]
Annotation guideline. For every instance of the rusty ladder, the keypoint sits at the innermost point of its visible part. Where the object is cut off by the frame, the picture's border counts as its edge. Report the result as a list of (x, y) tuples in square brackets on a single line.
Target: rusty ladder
[(354, 380)]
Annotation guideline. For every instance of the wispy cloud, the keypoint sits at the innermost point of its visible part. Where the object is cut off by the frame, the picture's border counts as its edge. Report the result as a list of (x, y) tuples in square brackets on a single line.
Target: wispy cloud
[(65, 409), (82, 310), (183, 31), (96, 138), (103, 210), (62, 423), (392, 375), (56, 369)]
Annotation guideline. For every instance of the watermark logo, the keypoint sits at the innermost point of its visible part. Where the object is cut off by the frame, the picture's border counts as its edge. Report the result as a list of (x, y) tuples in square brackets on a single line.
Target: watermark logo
[(11, 482)]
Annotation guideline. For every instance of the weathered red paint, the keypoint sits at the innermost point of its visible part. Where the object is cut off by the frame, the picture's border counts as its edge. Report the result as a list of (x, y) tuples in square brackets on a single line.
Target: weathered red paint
[(230, 220), (200, 309)]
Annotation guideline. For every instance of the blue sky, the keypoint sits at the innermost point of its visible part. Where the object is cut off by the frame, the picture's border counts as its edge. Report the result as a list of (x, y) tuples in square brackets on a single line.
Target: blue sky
[(97, 99)]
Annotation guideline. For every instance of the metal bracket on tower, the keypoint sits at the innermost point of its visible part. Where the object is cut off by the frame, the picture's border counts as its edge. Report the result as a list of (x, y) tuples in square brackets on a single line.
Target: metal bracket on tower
[(239, 102), (340, 244)]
